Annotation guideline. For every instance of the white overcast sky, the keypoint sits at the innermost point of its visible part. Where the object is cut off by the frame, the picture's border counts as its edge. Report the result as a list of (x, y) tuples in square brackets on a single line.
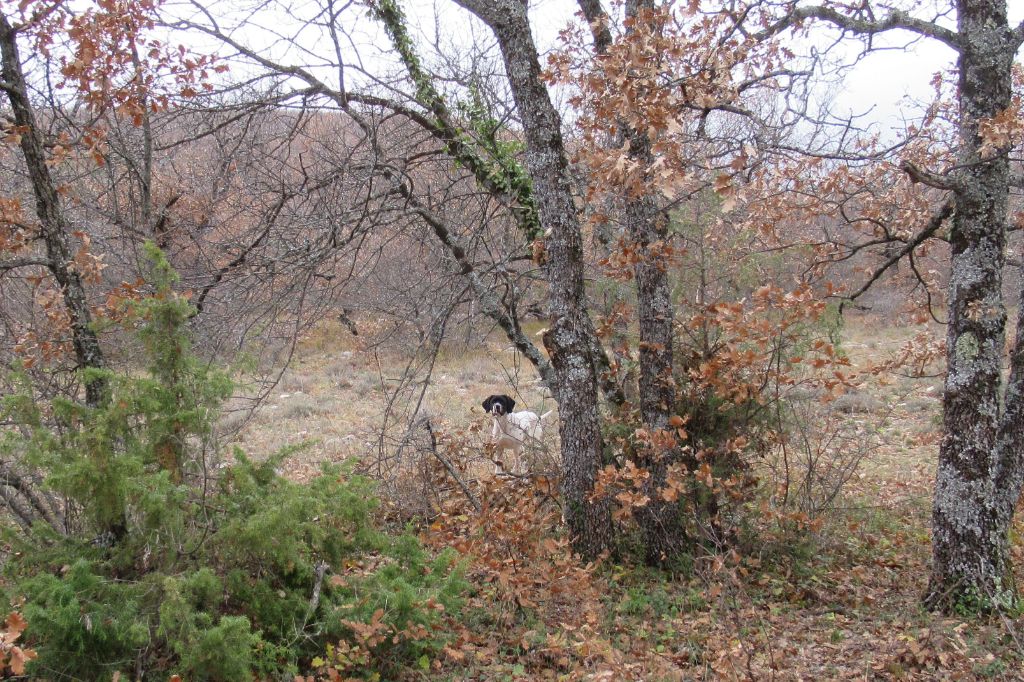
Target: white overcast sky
[(883, 83)]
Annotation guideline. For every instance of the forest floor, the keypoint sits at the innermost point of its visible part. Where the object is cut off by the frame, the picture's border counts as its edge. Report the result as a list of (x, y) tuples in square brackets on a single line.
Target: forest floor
[(840, 600)]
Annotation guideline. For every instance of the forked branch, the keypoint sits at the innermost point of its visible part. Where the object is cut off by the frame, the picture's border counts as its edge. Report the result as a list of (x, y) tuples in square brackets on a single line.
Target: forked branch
[(940, 216)]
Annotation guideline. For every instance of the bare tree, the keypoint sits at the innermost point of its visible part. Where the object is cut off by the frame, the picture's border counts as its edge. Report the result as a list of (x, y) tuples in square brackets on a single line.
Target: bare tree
[(570, 337), (571, 341)]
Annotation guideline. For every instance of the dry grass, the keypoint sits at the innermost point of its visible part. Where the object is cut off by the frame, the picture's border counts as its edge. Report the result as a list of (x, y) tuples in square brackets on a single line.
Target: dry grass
[(335, 395)]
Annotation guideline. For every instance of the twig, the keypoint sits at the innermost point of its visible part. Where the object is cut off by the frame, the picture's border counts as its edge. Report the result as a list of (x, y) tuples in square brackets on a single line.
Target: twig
[(40, 505), (314, 600), (448, 465), (928, 231)]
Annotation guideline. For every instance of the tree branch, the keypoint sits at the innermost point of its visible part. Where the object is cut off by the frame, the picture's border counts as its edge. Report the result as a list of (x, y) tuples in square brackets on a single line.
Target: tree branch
[(20, 512), (8, 265), (199, 301), (918, 174), (895, 19), (448, 465), (489, 302), (503, 178), (486, 175), (929, 230), (40, 506), (598, 20)]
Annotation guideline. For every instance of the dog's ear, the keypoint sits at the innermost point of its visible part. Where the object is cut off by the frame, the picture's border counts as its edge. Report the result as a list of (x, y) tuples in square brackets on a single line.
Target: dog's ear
[(508, 403), (488, 403)]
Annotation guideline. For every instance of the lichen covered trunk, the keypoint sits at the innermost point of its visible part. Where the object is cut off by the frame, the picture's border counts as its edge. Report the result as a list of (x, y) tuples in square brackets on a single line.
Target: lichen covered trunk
[(569, 339), (970, 534)]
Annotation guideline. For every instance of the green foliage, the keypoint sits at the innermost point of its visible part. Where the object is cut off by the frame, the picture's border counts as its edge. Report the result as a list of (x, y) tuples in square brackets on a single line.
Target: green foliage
[(209, 646), (166, 569), (970, 602), (506, 172), (88, 620)]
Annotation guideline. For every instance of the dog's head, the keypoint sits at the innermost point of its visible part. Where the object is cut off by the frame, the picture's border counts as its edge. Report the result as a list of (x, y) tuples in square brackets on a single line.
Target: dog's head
[(499, 405)]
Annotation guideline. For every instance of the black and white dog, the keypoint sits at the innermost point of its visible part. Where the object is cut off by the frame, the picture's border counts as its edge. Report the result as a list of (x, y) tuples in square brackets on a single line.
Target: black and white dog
[(512, 430)]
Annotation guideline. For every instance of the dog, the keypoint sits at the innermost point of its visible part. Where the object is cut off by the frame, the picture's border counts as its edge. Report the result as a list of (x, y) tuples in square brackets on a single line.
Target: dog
[(512, 430)]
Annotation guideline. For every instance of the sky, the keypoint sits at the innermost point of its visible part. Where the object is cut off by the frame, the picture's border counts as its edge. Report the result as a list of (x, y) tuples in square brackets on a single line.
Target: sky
[(881, 86)]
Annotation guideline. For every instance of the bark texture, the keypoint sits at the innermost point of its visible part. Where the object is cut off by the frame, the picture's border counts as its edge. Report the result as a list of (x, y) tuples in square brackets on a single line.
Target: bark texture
[(647, 226), (970, 562), (54, 227), (569, 339)]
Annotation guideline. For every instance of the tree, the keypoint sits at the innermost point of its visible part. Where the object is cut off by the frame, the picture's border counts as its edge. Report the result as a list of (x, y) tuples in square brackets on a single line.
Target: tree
[(56, 233), (981, 456), (646, 224), (569, 338), (653, 168), (104, 64), (673, 107)]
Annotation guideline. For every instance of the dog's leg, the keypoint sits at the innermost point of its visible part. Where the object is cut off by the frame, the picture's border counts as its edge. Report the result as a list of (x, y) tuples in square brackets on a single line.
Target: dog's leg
[(499, 464), (496, 433), (517, 460)]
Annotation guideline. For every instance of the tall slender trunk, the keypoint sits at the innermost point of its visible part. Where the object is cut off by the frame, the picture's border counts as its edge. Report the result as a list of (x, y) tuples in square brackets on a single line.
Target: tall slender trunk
[(970, 562), (54, 226), (569, 338), (659, 520), (144, 174), (647, 226)]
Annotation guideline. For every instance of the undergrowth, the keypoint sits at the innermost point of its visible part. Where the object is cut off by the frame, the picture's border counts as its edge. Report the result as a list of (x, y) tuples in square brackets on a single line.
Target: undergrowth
[(161, 562)]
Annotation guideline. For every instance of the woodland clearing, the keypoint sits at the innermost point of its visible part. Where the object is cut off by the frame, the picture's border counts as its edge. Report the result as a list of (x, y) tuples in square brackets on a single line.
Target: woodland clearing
[(840, 600), (260, 265)]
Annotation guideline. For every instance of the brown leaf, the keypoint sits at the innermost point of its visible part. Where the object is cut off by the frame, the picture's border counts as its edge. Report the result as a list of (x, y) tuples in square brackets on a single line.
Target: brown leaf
[(19, 657), (16, 624)]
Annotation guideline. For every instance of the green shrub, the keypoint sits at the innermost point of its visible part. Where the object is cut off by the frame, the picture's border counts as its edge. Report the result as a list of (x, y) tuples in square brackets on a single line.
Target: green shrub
[(84, 617), (166, 569)]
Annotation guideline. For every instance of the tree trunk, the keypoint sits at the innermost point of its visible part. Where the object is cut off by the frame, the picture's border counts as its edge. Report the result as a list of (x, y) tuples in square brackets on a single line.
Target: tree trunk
[(569, 338), (979, 476), (659, 520), (54, 227), (970, 563), (647, 226)]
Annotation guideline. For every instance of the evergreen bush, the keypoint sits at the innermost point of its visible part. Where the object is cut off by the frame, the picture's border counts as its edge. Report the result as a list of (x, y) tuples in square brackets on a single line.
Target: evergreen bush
[(169, 565)]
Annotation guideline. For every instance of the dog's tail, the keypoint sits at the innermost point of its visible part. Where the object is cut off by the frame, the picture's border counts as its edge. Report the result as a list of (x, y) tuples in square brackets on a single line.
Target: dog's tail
[(545, 415)]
